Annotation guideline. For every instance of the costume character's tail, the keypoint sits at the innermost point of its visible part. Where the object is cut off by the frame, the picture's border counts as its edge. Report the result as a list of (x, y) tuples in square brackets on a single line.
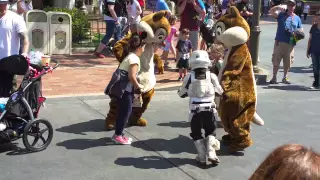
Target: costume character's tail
[(257, 119)]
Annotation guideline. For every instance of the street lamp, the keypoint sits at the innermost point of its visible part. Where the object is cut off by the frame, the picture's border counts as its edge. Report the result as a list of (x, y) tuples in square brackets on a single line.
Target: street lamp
[(255, 34), (261, 75)]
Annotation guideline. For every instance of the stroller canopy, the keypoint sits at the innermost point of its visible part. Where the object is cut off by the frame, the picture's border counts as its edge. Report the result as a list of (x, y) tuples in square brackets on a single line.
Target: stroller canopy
[(15, 65)]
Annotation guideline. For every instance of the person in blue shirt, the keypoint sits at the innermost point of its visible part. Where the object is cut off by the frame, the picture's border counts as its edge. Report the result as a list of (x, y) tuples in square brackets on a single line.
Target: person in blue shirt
[(288, 24), (161, 5), (313, 50)]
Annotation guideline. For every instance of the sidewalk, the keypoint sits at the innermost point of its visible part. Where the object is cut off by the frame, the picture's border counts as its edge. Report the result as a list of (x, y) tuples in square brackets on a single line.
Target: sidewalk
[(83, 74)]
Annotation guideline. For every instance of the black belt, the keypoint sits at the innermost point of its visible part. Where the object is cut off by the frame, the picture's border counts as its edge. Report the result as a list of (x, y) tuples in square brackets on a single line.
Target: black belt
[(200, 102)]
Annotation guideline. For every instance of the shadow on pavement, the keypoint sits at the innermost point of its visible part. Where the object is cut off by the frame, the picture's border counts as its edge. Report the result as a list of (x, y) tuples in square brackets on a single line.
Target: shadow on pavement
[(300, 70), (156, 162), (96, 125), (177, 145), (12, 149), (175, 124), (289, 88), (224, 151), (82, 144), (167, 80)]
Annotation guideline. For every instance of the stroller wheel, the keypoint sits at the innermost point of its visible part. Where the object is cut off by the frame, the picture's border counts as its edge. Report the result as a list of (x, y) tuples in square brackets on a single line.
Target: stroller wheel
[(35, 132)]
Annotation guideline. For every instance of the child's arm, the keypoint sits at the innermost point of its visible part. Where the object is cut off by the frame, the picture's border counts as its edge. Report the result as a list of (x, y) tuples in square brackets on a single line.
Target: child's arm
[(190, 46), (215, 82), (178, 46), (175, 34), (133, 69), (183, 90)]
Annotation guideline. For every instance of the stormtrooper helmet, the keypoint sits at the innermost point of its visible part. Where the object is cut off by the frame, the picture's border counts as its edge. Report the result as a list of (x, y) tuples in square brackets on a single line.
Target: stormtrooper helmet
[(199, 59)]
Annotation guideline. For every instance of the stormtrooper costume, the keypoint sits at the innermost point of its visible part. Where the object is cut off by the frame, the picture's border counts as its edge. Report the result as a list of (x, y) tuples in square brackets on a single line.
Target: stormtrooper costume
[(200, 86)]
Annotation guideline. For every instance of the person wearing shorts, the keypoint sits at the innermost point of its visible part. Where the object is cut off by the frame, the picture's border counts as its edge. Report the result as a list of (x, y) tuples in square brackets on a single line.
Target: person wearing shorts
[(191, 11), (288, 23), (184, 47)]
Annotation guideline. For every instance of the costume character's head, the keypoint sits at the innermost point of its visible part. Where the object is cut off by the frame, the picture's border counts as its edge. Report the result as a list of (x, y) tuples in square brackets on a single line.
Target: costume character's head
[(232, 29), (237, 107), (155, 25), (199, 59), (160, 26)]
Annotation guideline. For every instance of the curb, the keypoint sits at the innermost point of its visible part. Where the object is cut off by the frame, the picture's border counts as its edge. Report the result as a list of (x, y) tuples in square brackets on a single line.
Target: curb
[(87, 67), (160, 88), (83, 50)]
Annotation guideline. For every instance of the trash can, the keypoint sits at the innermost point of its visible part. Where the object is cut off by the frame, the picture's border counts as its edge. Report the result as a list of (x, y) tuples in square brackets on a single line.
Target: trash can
[(38, 30), (60, 33)]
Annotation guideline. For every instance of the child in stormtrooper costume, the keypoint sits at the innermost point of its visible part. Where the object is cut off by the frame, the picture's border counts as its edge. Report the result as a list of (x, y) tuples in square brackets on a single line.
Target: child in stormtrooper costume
[(201, 85)]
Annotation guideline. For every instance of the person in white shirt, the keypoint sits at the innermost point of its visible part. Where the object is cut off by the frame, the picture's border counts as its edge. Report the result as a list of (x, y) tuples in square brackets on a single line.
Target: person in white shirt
[(12, 29), (306, 10), (134, 11), (19, 6)]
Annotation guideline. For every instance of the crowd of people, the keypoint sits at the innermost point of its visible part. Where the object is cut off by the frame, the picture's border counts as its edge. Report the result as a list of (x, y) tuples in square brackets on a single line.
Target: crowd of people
[(192, 12)]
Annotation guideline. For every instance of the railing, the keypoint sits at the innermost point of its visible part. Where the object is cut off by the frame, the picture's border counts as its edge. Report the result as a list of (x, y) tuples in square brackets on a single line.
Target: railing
[(92, 36)]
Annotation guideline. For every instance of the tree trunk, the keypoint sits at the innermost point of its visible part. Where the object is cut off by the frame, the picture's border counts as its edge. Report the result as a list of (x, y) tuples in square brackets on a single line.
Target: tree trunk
[(37, 4), (64, 3)]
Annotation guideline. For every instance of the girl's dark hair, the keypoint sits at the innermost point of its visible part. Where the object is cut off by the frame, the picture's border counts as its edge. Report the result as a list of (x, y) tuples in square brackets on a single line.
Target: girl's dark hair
[(136, 41), (289, 162), (172, 19)]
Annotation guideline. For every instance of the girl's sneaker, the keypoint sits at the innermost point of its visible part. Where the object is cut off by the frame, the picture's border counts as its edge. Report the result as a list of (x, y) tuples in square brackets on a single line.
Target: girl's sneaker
[(121, 139), (127, 138)]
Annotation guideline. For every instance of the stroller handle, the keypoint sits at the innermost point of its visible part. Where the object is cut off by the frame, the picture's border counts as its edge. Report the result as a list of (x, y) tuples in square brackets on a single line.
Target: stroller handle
[(47, 70), (57, 63)]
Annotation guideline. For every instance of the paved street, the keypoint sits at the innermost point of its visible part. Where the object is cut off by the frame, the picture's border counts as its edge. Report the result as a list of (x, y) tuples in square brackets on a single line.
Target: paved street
[(163, 150)]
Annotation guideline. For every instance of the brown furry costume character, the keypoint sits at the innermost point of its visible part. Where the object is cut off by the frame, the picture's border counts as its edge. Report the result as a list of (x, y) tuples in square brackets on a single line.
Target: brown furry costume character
[(157, 28), (237, 106)]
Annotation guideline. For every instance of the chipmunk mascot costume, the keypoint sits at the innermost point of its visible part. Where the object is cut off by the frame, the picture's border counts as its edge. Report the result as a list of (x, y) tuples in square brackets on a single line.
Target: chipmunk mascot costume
[(237, 106), (158, 28)]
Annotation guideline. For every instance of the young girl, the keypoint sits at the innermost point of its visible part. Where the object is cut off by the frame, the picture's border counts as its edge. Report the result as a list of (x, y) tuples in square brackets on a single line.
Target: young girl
[(216, 54), (125, 88), (134, 10), (169, 41)]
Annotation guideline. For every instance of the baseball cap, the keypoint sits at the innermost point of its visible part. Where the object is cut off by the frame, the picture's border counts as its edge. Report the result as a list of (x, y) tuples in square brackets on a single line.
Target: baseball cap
[(292, 1), (4, 1)]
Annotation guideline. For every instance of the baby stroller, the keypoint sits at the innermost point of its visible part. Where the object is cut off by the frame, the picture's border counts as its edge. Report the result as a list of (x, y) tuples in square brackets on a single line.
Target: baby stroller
[(207, 32), (19, 117)]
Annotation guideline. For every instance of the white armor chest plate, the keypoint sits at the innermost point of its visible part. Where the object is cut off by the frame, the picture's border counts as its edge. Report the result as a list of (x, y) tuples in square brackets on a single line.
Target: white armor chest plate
[(201, 88)]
